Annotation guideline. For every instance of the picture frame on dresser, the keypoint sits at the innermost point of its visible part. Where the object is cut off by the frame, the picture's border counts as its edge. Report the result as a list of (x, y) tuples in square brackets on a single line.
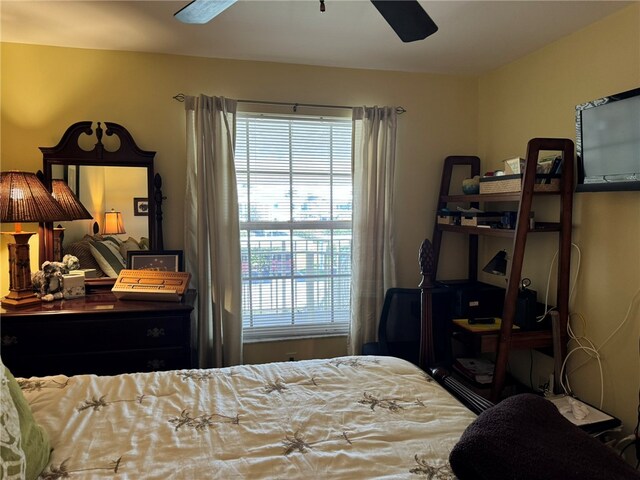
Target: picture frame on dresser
[(158, 260)]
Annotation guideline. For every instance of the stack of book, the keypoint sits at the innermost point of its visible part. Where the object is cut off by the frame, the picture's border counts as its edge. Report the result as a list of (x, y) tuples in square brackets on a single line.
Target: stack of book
[(478, 370)]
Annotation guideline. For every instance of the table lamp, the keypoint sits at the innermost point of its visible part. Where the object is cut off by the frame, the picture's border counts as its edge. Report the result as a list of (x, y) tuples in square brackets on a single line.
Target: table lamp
[(23, 198), (113, 224), (72, 207)]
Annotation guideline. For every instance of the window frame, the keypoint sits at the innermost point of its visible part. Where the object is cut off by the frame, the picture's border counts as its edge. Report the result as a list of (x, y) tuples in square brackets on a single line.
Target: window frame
[(294, 330)]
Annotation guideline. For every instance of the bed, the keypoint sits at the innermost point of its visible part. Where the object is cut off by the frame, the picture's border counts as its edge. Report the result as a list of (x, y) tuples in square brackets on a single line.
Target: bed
[(343, 418), (361, 417)]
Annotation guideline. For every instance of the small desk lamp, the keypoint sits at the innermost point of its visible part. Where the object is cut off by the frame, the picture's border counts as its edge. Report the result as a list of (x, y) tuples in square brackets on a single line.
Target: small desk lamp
[(113, 224), (72, 207), (23, 198), (498, 264)]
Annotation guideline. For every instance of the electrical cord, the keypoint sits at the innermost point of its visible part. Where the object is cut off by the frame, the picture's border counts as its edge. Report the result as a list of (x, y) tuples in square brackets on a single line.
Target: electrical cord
[(573, 284), (591, 349), (635, 297), (588, 346)]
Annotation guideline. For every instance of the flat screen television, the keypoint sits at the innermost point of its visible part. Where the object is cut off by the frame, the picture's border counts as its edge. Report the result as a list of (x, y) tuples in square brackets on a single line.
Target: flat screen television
[(608, 143)]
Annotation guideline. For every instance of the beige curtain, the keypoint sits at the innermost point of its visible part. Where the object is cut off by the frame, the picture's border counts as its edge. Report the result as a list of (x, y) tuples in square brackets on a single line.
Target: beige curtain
[(373, 268), (212, 232)]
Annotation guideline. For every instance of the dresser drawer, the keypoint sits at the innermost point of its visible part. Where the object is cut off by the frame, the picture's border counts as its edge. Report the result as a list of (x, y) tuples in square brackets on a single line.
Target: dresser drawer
[(98, 363), (98, 334), (93, 334)]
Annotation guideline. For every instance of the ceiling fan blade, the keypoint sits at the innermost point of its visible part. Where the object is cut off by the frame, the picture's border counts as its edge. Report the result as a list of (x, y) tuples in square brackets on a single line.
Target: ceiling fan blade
[(202, 11), (407, 18)]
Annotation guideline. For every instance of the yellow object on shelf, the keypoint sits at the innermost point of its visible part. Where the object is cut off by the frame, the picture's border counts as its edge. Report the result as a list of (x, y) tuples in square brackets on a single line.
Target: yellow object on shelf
[(481, 327)]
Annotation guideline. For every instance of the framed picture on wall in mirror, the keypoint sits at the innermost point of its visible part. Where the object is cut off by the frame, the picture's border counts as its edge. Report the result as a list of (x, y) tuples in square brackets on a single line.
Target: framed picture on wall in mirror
[(162, 260), (140, 207)]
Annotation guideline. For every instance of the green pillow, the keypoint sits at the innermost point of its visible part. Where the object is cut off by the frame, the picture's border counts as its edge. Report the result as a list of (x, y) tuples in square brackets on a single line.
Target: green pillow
[(35, 441)]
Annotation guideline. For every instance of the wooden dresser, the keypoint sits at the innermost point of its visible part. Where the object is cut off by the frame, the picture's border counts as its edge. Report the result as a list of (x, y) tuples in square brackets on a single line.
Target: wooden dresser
[(98, 334)]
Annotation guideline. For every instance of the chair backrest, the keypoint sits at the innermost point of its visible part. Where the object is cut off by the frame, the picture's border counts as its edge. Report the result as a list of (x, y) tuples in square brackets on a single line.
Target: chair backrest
[(400, 319)]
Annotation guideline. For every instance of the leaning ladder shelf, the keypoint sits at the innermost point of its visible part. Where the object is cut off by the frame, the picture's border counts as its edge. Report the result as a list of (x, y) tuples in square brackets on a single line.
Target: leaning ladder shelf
[(430, 252)]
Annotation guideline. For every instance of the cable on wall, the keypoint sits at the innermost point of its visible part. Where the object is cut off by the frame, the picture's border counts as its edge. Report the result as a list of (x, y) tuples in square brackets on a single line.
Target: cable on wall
[(591, 350), (573, 284), (583, 342)]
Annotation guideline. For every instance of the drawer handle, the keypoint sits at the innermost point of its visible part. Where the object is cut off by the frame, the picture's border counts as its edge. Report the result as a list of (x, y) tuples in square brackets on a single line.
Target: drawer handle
[(155, 364), (9, 340), (155, 332)]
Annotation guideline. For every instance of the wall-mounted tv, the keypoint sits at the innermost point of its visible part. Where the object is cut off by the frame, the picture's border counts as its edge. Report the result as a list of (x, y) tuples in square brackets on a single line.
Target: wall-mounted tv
[(608, 143)]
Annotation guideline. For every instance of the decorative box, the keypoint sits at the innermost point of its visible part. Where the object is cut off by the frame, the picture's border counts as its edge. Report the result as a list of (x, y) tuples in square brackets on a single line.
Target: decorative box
[(73, 286), (478, 219), (513, 183), (447, 217), (87, 272)]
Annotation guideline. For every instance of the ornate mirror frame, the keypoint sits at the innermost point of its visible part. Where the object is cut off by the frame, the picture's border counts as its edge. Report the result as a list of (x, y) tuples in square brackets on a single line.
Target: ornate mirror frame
[(68, 152)]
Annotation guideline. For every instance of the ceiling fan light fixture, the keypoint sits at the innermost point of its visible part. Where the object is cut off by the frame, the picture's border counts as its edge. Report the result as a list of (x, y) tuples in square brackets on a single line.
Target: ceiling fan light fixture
[(202, 11), (407, 18)]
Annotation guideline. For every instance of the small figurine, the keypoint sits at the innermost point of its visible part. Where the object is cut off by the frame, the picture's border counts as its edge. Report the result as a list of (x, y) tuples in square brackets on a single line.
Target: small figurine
[(48, 282)]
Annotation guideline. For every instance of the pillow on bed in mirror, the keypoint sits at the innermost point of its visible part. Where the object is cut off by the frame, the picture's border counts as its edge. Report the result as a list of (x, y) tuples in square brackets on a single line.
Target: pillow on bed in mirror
[(115, 240), (82, 251), (129, 244), (144, 243), (34, 439), (108, 256)]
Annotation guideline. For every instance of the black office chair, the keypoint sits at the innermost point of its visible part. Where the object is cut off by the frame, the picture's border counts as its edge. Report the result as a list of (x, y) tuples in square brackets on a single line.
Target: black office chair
[(399, 328)]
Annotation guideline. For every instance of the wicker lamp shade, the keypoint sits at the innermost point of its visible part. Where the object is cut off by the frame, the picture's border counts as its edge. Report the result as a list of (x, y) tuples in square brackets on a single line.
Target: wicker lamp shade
[(23, 198), (74, 209)]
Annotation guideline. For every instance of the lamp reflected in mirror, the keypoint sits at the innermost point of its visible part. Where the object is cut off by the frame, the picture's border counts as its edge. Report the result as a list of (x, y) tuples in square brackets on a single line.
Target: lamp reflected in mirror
[(498, 264), (24, 198), (74, 209), (113, 223)]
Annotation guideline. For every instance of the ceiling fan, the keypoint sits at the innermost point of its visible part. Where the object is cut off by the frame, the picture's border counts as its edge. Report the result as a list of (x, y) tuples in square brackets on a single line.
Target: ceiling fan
[(407, 18)]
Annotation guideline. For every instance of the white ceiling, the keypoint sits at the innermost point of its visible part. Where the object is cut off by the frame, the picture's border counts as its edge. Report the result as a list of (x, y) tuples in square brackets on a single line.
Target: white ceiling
[(473, 37)]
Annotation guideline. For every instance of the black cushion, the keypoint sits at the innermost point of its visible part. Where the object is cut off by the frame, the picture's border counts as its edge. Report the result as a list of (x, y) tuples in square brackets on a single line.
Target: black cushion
[(524, 437)]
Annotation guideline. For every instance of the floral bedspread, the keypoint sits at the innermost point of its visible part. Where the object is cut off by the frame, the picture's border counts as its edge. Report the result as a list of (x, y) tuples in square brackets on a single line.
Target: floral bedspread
[(343, 418)]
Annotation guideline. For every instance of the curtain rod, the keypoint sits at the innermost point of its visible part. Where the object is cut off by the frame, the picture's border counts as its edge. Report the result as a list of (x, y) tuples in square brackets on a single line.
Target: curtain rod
[(399, 110)]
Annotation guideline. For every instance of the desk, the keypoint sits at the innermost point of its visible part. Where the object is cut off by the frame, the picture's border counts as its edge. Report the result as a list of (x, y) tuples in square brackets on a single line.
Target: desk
[(98, 334), (486, 340)]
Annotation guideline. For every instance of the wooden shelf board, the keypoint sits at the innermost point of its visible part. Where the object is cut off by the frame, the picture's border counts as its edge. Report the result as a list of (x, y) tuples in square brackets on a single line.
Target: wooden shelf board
[(490, 197), (541, 227), (487, 342)]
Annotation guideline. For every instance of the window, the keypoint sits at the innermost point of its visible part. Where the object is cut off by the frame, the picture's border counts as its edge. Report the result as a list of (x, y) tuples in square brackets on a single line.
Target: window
[(294, 192)]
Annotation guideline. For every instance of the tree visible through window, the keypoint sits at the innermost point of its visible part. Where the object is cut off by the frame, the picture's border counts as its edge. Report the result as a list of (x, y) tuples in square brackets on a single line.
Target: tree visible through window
[(294, 191)]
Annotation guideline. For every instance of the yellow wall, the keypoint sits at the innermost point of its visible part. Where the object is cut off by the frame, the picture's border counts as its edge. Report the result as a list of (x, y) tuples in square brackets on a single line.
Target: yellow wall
[(46, 89), (284, 350), (536, 97)]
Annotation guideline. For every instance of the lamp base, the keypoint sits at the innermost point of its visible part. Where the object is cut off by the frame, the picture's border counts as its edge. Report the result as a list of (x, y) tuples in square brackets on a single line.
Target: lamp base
[(21, 292), (20, 300)]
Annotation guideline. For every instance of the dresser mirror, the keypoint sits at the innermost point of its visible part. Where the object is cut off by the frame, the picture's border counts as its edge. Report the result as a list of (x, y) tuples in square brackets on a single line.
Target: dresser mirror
[(108, 174)]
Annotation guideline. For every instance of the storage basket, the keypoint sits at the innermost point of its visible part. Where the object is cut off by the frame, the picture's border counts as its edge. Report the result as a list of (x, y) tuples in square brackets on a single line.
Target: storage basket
[(446, 217), (513, 183), (476, 219)]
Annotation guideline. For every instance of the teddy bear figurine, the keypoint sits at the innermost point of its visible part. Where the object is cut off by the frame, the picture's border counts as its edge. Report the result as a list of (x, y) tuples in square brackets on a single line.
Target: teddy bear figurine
[(47, 282)]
